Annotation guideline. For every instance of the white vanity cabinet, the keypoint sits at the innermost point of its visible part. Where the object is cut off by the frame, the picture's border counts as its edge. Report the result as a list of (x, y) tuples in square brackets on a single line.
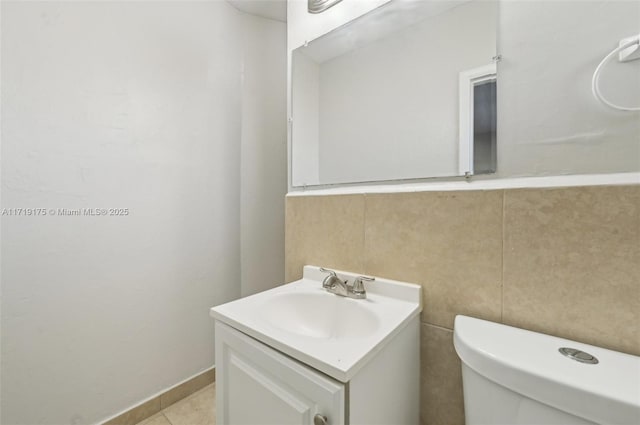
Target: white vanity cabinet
[(297, 354), (257, 385)]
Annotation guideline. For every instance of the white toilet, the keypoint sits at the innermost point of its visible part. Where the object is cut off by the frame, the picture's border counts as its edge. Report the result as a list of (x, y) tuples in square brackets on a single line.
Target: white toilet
[(513, 376)]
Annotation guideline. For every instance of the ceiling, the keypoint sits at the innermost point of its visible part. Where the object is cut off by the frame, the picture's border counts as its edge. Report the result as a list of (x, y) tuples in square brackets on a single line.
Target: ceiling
[(272, 9)]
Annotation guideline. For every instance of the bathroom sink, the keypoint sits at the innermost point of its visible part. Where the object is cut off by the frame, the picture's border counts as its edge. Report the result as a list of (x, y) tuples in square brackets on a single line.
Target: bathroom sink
[(319, 315), (333, 334)]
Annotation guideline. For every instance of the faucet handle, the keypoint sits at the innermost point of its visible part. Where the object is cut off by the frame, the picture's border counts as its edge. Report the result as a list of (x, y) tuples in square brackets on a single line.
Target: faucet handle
[(330, 280), (331, 272), (358, 287)]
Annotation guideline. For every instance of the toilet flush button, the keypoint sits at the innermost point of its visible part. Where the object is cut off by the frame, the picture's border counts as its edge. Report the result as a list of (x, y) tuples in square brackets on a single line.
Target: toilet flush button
[(577, 355)]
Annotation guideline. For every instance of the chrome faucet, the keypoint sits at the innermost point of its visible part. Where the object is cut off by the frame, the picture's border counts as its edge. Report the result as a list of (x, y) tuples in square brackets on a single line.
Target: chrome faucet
[(332, 283)]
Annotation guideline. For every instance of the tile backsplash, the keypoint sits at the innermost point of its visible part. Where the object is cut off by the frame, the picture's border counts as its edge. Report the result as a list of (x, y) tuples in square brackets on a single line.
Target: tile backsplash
[(563, 261)]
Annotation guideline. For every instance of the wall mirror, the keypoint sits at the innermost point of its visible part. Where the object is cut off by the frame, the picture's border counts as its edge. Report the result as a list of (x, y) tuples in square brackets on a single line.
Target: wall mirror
[(400, 93)]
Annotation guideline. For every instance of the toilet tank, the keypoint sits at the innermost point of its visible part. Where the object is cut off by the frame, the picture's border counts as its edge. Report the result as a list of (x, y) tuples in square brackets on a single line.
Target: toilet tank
[(513, 376)]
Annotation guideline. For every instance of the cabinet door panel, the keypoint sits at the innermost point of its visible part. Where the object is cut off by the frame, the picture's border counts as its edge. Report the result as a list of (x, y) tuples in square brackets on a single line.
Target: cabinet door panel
[(258, 385)]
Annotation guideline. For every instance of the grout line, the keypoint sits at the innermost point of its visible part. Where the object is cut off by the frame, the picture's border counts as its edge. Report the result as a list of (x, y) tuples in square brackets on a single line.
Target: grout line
[(504, 220), (166, 417), (442, 328), (363, 260)]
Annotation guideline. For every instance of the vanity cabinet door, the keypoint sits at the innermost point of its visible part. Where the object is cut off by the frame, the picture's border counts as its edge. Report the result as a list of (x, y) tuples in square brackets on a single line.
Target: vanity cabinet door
[(257, 385)]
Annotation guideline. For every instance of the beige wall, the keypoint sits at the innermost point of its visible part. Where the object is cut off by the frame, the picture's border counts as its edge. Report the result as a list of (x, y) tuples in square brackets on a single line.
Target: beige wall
[(564, 261)]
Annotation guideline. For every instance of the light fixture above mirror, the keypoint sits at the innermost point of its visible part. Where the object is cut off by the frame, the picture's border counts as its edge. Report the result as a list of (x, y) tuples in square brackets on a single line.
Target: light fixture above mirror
[(319, 6)]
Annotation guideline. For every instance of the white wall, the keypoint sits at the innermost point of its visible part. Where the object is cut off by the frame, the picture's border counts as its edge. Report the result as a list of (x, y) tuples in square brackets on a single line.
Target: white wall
[(264, 155), (548, 121), (134, 105)]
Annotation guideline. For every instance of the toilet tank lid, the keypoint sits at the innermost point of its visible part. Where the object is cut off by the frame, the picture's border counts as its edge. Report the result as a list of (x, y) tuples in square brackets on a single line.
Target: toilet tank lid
[(530, 363)]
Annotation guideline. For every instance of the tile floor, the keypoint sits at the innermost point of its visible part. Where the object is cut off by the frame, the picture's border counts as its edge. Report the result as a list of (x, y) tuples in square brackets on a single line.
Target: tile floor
[(197, 409)]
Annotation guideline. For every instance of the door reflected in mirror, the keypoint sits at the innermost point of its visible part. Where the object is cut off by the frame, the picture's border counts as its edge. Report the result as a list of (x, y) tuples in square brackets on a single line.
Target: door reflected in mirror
[(484, 128), (379, 98)]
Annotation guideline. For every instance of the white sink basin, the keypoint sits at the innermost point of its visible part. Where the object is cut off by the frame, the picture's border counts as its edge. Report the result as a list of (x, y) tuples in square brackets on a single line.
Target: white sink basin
[(333, 334), (319, 315)]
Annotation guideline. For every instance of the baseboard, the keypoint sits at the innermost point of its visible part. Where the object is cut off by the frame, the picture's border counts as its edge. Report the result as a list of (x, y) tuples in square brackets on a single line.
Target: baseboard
[(163, 400)]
